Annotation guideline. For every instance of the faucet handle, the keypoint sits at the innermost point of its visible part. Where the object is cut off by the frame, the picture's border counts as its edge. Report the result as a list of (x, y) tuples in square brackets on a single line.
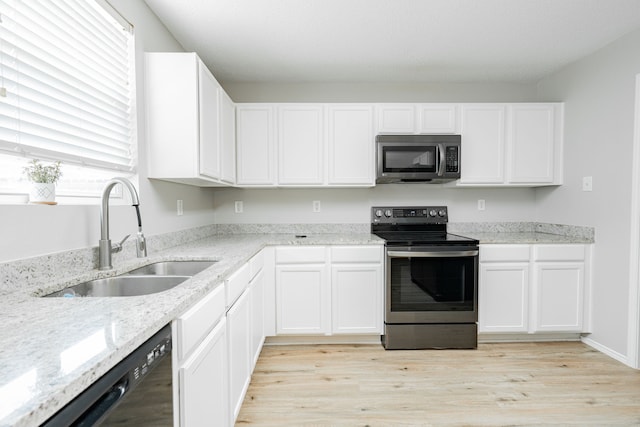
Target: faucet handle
[(117, 247)]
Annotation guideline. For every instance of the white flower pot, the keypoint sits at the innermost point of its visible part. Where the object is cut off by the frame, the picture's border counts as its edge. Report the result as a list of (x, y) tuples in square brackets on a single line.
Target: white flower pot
[(42, 193)]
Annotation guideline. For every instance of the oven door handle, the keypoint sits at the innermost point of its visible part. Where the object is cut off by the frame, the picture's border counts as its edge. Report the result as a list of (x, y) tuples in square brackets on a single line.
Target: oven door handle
[(445, 254)]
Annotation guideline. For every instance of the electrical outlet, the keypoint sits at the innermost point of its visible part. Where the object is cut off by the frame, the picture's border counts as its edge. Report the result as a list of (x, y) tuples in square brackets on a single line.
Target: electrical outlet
[(239, 206), (180, 207), (316, 205), (481, 205), (587, 183)]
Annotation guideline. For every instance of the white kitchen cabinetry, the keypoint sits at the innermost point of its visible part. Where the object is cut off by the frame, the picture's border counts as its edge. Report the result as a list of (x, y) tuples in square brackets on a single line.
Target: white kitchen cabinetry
[(560, 285), (416, 118), (257, 286), (302, 291), (227, 139), (301, 144), (503, 296), (511, 144), (533, 288), (203, 382), (200, 363), (351, 145), (256, 145), (357, 290), (187, 119), (309, 301), (239, 344)]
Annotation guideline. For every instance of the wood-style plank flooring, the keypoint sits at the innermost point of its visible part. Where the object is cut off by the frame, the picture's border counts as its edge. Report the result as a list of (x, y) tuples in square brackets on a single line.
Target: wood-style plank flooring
[(558, 383)]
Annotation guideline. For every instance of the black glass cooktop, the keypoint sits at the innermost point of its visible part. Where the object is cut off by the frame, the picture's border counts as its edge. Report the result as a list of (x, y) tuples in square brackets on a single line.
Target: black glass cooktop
[(416, 238)]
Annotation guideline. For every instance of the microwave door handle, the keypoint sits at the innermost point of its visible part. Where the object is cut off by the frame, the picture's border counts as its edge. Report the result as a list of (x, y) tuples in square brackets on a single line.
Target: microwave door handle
[(442, 163)]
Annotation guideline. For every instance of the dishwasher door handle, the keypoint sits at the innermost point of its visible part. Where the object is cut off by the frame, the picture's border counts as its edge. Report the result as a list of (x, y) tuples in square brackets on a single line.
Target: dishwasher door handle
[(444, 254), (104, 405)]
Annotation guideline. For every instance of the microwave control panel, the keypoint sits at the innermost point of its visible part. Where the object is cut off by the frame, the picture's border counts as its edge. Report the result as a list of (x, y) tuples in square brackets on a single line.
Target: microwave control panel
[(452, 159)]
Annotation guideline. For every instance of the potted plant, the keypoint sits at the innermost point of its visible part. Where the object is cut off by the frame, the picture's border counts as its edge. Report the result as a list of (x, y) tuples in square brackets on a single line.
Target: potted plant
[(43, 179)]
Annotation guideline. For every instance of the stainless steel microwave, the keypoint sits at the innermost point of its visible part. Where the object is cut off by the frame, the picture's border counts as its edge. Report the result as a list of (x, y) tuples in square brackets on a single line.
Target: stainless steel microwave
[(417, 158)]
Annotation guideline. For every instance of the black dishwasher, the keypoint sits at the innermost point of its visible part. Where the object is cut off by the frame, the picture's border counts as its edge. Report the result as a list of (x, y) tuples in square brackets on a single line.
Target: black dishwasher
[(136, 392)]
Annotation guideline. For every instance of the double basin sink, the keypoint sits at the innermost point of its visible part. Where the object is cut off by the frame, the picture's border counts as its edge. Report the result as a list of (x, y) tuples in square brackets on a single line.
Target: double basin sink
[(150, 279)]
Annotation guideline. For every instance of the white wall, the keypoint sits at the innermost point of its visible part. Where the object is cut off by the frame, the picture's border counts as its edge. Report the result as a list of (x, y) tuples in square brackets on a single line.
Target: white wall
[(29, 230), (353, 205), (598, 92)]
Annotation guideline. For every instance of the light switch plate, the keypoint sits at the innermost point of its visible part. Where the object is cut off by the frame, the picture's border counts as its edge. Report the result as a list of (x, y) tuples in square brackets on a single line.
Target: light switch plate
[(239, 206), (587, 183)]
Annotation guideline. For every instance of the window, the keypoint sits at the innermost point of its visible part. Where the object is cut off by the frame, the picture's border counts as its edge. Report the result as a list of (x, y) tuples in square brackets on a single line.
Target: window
[(66, 92)]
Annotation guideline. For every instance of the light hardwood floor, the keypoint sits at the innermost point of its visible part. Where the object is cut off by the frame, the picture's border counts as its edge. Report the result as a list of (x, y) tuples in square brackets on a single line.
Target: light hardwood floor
[(560, 383)]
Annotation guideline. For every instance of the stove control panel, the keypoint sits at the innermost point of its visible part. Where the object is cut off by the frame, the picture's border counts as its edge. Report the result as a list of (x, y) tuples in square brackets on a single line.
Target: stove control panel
[(411, 215)]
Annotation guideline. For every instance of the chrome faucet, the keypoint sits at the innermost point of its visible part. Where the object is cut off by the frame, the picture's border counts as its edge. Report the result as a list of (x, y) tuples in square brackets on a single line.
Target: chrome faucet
[(105, 248)]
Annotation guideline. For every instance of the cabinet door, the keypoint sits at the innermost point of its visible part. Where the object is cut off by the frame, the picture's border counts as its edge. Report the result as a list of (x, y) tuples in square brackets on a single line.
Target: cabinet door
[(559, 297), (503, 297), (301, 145), (356, 293), (239, 337), (302, 299), (209, 101), (257, 317), (437, 118), (228, 139), (351, 145), (483, 143), (531, 143), (204, 394), (255, 145), (396, 118)]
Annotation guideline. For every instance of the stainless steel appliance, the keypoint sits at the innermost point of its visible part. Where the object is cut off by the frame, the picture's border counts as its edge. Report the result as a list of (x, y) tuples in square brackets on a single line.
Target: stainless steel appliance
[(137, 391), (431, 290), (417, 158)]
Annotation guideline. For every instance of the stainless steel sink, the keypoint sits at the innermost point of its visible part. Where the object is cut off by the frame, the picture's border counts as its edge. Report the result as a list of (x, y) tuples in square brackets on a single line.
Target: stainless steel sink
[(121, 286), (173, 268)]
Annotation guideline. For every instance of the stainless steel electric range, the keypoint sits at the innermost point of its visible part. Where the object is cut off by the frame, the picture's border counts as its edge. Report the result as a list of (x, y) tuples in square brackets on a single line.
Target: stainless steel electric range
[(431, 289)]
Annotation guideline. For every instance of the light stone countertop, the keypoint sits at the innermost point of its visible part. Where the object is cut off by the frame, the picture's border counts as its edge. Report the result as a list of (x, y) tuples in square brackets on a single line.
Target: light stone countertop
[(524, 238), (54, 348)]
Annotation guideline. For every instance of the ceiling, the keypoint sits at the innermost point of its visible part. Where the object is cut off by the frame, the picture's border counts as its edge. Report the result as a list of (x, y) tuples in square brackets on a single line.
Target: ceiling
[(390, 41)]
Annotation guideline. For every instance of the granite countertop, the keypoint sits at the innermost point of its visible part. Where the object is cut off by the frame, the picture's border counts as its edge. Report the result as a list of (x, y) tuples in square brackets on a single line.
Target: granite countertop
[(525, 238), (54, 348)]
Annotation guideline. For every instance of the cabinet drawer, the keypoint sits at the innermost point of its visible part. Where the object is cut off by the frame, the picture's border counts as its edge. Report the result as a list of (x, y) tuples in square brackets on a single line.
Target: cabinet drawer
[(300, 255), (558, 252), (255, 264), (194, 324), (236, 284), (356, 254), (504, 253)]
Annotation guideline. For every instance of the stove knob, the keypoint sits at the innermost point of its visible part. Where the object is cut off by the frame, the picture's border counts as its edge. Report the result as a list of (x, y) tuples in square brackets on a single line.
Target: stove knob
[(388, 213), (442, 212), (378, 213), (433, 213)]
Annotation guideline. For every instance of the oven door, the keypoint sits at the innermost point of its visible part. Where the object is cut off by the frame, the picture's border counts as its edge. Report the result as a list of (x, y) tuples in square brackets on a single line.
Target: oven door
[(435, 284)]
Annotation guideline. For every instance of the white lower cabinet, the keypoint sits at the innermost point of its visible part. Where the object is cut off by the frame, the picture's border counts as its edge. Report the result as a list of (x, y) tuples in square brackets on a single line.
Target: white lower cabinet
[(504, 297), (309, 300), (533, 288), (203, 382), (200, 364), (238, 338)]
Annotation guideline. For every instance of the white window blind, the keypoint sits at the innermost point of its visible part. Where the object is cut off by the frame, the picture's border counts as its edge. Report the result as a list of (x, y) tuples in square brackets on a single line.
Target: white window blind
[(66, 84)]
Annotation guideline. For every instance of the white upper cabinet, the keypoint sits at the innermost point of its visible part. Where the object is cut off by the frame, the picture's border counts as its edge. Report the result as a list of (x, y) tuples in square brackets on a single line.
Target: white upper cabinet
[(396, 119), (437, 118), (255, 136), (416, 118), (533, 138), (351, 145), (511, 144), (188, 121), (483, 143), (300, 144), (227, 139)]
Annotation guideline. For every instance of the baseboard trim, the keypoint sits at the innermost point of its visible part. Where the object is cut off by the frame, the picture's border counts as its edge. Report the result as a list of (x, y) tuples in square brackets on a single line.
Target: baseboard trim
[(606, 350), (322, 339)]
